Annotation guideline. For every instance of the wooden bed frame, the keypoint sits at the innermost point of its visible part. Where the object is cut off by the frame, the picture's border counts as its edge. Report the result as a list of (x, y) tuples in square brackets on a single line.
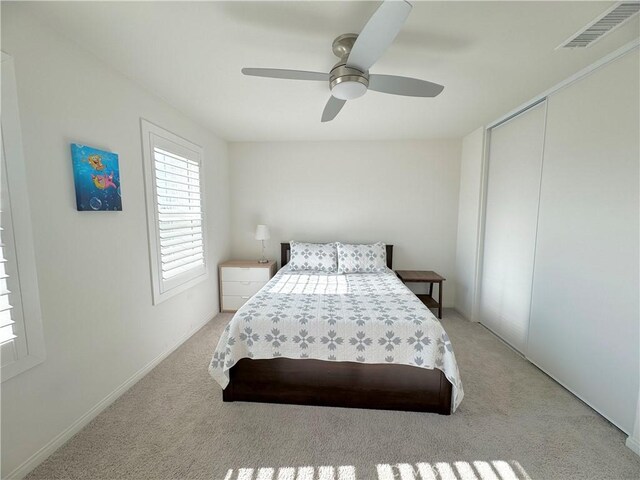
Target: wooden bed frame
[(339, 384)]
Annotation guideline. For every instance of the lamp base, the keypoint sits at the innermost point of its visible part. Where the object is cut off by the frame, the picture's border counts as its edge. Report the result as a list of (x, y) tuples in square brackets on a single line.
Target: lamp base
[(263, 259)]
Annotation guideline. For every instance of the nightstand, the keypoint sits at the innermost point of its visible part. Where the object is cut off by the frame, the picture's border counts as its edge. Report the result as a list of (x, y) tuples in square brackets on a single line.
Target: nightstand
[(240, 280), (425, 276)]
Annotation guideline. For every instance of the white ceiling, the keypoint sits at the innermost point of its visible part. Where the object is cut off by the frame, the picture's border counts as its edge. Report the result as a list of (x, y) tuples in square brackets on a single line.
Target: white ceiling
[(491, 56)]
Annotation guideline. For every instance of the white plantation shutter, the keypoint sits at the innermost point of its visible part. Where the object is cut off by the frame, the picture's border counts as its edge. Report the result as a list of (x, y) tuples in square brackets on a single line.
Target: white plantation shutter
[(176, 216), (6, 321), (179, 213), (12, 337), (21, 334), (8, 313)]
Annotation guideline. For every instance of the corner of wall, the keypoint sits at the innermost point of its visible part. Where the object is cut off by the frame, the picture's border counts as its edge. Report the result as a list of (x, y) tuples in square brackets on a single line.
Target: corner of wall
[(469, 211)]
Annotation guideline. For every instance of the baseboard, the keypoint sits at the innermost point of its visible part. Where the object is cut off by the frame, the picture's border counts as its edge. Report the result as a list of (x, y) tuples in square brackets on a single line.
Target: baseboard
[(462, 315), (513, 349), (42, 454), (458, 313), (633, 444)]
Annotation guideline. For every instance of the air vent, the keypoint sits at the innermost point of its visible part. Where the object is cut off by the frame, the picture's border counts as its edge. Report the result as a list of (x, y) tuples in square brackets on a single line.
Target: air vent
[(601, 26)]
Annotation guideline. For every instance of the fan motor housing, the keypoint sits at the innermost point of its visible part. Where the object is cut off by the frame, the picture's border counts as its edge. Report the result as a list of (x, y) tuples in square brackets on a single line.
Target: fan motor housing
[(348, 83)]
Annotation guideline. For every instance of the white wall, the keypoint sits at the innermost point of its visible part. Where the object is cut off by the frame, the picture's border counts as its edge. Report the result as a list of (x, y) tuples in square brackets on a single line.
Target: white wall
[(468, 226), (100, 327), (404, 193)]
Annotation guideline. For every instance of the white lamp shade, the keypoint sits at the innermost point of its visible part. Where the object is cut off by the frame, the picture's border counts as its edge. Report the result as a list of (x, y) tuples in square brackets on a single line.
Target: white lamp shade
[(262, 232)]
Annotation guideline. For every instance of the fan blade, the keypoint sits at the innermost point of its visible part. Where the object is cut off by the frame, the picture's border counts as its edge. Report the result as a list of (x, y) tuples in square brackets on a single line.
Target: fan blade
[(379, 32), (410, 87), (332, 108), (288, 74)]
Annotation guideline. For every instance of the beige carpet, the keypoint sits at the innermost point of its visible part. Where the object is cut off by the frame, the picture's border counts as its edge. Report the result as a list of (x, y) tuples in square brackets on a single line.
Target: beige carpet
[(514, 423)]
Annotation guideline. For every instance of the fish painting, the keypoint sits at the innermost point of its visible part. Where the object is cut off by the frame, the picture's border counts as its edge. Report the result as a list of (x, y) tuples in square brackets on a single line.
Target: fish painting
[(97, 179)]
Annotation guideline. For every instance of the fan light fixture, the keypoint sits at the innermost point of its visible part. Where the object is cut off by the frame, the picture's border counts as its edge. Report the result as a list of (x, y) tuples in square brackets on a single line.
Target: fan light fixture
[(349, 89)]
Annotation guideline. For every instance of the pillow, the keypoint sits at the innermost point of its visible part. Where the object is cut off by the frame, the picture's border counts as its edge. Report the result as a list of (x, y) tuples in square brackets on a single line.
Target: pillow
[(362, 258), (314, 257)]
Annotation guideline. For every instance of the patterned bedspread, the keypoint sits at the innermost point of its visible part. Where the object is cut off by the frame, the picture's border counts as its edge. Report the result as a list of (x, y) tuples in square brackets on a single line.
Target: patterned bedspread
[(369, 318)]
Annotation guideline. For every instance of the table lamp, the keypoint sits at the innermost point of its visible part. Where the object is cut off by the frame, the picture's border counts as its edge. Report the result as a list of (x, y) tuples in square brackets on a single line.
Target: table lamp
[(262, 234)]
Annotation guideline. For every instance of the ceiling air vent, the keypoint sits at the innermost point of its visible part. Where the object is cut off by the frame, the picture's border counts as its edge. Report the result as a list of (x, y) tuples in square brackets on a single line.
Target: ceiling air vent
[(601, 26)]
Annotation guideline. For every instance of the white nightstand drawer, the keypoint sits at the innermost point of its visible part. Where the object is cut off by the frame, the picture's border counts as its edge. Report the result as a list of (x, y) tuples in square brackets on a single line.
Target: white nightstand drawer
[(240, 280), (248, 274), (234, 302), (241, 288)]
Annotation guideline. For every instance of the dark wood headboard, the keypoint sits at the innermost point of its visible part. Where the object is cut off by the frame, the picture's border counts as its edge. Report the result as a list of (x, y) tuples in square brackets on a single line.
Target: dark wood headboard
[(285, 250)]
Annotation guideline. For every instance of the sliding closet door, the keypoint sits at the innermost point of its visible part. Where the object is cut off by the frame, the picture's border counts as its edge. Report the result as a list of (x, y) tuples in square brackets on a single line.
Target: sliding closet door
[(513, 184), (584, 327)]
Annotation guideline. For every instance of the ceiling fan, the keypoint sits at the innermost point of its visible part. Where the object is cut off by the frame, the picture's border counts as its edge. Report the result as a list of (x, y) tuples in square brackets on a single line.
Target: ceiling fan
[(350, 77)]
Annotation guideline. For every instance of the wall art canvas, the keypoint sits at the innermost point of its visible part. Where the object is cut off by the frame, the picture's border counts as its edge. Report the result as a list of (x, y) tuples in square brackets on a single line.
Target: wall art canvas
[(97, 179)]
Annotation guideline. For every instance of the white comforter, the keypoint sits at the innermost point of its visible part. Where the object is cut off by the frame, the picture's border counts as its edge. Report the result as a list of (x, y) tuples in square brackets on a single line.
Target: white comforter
[(369, 318)]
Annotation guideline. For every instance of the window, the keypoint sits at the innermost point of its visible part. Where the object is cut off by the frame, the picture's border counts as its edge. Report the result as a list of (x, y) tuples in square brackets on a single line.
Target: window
[(176, 221), (21, 336), (7, 323)]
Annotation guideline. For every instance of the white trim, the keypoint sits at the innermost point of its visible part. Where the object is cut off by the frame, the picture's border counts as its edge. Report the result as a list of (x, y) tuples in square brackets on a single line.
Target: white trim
[(41, 455), (22, 230), (456, 312), (634, 444), (162, 290), (505, 343), (567, 81)]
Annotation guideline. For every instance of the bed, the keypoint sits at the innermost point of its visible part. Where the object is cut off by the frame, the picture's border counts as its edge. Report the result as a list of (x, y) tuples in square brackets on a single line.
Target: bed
[(355, 340)]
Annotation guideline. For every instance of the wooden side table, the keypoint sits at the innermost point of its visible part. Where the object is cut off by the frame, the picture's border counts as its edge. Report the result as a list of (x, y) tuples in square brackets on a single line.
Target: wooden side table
[(425, 276)]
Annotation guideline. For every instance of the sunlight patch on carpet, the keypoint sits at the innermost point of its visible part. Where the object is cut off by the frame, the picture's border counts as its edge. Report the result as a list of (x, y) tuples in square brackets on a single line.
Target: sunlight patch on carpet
[(459, 470), (343, 472)]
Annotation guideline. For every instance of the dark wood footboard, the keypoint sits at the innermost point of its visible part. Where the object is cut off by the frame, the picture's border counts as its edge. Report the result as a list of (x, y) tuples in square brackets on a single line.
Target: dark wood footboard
[(339, 384)]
